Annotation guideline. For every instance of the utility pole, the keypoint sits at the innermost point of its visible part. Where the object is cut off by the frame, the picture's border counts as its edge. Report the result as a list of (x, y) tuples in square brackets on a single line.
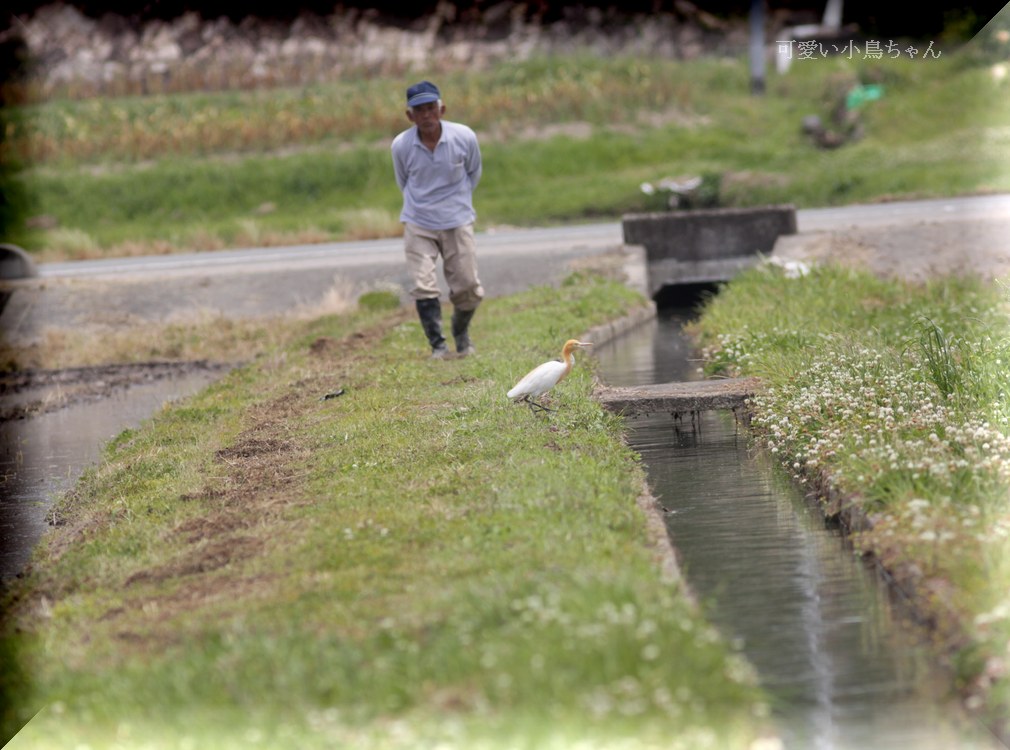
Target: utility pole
[(832, 20), (757, 46)]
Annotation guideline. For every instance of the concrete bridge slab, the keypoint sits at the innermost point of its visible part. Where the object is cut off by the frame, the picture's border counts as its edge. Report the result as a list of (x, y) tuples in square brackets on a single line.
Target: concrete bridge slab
[(677, 398)]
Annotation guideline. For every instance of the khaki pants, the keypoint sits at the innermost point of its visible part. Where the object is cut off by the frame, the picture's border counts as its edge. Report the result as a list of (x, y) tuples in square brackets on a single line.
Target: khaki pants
[(459, 263)]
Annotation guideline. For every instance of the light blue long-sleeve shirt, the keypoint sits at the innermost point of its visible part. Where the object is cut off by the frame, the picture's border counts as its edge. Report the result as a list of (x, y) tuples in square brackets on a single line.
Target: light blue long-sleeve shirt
[(438, 185)]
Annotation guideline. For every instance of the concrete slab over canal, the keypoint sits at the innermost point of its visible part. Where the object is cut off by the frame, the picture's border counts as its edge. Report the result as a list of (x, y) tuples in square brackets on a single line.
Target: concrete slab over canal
[(677, 398)]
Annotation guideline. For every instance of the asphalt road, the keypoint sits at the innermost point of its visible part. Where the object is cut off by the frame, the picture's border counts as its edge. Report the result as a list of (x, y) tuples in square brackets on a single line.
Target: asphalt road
[(508, 243), (268, 281)]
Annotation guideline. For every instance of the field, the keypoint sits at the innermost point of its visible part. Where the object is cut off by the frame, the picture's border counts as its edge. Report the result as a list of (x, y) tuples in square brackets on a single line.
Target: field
[(258, 567), (564, 140)]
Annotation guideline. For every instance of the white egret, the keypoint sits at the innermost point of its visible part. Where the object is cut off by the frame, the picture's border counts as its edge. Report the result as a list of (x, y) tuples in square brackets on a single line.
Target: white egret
[(542, 378)]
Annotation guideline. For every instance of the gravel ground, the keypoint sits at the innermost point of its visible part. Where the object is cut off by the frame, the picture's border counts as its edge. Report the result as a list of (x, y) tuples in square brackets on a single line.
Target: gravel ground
[(915, 250)]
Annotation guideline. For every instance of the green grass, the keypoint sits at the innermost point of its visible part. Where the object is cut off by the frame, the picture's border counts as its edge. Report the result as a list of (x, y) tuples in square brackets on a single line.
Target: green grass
[(203, 171), (416, 563), (893, 396)]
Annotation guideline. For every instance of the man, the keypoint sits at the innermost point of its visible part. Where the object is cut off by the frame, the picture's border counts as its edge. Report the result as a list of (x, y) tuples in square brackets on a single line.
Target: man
[(438, 165)]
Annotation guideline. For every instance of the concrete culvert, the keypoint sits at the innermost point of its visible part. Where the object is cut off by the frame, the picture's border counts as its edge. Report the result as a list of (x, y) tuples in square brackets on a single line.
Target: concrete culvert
[(15, 263)]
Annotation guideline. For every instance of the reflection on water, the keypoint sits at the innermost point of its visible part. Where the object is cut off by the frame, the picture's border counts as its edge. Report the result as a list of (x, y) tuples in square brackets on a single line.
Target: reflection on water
[(41, 457), (843, 670), (655, 352)]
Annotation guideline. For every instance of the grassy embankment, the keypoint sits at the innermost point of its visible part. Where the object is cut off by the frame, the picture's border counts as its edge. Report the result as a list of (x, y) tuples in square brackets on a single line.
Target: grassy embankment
[(563, 140), (894, 397), (414, 563)]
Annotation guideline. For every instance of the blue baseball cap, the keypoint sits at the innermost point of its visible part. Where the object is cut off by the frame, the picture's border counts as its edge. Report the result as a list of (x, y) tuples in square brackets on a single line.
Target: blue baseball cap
[(422, 93)]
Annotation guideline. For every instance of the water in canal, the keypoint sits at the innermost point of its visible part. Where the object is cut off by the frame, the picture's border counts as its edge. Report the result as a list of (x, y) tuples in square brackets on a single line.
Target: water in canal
[(42, 456), (844, 667)]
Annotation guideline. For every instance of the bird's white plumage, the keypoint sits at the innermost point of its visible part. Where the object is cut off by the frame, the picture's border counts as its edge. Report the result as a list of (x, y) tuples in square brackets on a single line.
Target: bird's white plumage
[(543, 377), (539, 380)]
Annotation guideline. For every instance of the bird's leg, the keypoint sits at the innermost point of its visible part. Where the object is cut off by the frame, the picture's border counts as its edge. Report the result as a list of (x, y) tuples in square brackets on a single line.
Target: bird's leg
[(531, 403)]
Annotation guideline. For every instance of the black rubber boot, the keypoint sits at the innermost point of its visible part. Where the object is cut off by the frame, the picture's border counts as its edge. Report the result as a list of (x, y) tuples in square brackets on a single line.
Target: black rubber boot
[(460, 331), (430, 313)]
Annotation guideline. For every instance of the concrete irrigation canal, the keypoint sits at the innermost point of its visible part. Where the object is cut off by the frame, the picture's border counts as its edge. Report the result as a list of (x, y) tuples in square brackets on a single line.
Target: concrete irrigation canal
[(842, 662)]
